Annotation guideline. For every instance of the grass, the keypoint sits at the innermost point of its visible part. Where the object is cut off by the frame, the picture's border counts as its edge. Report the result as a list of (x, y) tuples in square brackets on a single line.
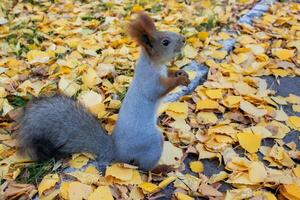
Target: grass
[(17, 101), (34, 173)]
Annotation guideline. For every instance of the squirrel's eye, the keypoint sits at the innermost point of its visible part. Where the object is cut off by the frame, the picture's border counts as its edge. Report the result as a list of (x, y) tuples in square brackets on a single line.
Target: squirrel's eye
[(165, 42)]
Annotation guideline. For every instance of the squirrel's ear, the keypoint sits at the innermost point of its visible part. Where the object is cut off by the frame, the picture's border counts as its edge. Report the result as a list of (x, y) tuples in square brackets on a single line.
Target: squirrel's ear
[(142, 30)]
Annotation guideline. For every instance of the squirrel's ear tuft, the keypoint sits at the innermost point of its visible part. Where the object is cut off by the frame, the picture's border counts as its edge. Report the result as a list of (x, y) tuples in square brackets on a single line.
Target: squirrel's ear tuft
[(142, 30)]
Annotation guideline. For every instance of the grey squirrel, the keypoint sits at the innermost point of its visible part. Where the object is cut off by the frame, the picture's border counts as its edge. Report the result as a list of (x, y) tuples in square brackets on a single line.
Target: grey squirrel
[(59, 126)]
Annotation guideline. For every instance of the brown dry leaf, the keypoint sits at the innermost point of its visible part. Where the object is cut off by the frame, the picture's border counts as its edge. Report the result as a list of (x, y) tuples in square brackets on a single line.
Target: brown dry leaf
[(12, 190), (208, 190)]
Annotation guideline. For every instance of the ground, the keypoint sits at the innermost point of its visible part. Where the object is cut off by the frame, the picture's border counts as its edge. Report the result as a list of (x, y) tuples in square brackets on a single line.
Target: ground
[(236, 136)]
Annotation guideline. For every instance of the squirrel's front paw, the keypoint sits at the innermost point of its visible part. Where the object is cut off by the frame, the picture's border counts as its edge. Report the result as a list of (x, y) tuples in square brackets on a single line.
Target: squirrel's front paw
[(183, 77)]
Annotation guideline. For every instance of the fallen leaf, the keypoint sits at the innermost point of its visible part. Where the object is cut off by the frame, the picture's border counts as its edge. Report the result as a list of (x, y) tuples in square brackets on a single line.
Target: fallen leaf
[(48, 182), (196, 166), (283, 54), (249, 141), (251, 109), (177, 110), (181, 196), (102, 192), (171, 155), (79, 191), (257, 172)]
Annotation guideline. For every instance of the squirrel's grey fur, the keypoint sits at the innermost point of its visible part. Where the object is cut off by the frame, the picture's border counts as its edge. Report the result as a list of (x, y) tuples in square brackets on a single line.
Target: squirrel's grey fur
[(58, 126)]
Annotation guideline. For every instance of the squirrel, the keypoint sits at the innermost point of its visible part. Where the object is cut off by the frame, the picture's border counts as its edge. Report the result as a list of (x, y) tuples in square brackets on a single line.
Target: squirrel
[(59, 126)]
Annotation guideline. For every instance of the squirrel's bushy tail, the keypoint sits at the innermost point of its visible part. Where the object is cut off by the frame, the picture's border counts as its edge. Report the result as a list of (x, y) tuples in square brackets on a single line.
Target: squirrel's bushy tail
[(54, 127), (39, 149)]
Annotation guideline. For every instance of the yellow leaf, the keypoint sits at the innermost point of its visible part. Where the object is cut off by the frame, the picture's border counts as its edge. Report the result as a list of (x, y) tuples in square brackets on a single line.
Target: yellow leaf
[(48, 182), (181, 196), (137, 8), (236, 194), (280, 130), (196, 166), (68, 87), (269, 196), (203, 35), (92, 101), (171, 155), (283, 54), (296, 108), (218, 54), (262, 131), (296, 171), (102, 192), (177, 110), (37, 56), (294, 122), (244, 88), (92, 170), (136, 179), (240, 58), (79, 191), (280, 115), (181, 125), (6, 107), (148, 187), (207, 118), (190, 51), (64, 187), (294, 99), (291, 191), (119, 172), (166, 182), (85, 177), (250, 142), (281, 156), (257, 172), (280, 72), (78, 161), (224, 35), (3, 93), (214, 93), (90, 78), (182, 62), (225, 129), (217, 177), (251, 109), (207, 104), (232, 101), (104, 69)]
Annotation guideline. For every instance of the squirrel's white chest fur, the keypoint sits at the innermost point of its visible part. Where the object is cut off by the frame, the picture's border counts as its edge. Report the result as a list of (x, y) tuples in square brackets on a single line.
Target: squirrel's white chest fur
[(163, 71)]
